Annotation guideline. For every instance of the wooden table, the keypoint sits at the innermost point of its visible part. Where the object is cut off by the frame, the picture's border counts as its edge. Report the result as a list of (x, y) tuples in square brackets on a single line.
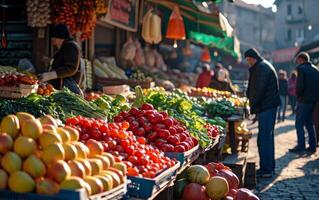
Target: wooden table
[(232, 135)]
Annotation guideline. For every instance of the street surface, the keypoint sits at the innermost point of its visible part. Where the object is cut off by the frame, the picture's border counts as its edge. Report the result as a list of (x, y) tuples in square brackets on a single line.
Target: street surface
[(297, 176)]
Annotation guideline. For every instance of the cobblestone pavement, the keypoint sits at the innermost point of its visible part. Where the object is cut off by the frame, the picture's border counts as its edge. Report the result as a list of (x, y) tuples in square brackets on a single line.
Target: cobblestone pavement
[(297, 176)]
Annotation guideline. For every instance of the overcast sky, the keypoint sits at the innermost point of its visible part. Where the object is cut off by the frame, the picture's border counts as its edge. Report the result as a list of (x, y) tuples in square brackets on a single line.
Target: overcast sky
[(265, 3)]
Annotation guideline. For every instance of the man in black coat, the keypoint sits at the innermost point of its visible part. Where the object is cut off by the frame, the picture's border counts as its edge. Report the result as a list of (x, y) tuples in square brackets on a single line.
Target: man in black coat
[(307, 97), (263, 94)]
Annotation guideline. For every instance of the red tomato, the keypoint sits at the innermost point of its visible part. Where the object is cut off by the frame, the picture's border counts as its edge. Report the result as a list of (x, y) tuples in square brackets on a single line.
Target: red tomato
[(111, 144), (138, 154), (147, 106), (134, 125), (130, 119), (164, 113), (182, 137), (125, 143), (72, 121), (173, 140), (164, 134), (125, 125), (118, 119), (149, 174), (168, 122), (195, 141), (129, 150), (158, 127), (133, 111), (132, 159), (119, 148), (159, 142), (167, 148), (140, 113), (140, 131), (179, 129), (179, 148), (141, 140), (122, 134), (148, 127), (153, 157), (104, 128), (186, 145), (152, 136), (133, 171), (124, 114), (142, 120), (85, 137), (143, 161), (95, 134), (172, 130), (141, 168)]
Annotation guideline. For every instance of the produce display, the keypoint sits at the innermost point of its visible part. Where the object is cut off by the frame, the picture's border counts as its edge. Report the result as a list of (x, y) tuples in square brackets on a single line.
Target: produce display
[(79, 15), (60, 104), (38, 13), (16, 78), (40, 156), (105, 70), (213, 181), (158, 129), (241, 128), (45, 89), (179, 106), (141, 159), (222, 108)]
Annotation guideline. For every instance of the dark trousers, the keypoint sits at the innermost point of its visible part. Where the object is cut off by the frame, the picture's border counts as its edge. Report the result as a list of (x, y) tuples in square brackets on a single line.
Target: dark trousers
[(293, 102), (304, 118), (265, 139), (282, 108), (316, 120)]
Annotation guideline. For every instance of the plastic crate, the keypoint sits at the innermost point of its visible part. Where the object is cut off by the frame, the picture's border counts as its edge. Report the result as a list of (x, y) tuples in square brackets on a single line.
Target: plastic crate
[(185, 158), (114, 194), (145, 187)]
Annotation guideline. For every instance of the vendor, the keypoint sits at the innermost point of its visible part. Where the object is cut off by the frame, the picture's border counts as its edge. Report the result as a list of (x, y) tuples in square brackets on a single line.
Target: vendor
[(65, 70), (221, 81), (205, 77)]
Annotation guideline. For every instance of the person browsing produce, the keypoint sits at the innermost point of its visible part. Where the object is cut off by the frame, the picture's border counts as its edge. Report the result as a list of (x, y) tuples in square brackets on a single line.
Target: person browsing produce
[(65, 69)]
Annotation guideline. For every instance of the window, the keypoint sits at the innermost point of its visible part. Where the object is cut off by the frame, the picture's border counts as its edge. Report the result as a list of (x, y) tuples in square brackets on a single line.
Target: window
[(300, 33), (289, 9), (289, 35), (300, 10)]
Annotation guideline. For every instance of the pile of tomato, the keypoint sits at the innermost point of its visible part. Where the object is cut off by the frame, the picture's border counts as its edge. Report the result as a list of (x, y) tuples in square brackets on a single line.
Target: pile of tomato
[(212, 130), (158, 129), (141, 159)]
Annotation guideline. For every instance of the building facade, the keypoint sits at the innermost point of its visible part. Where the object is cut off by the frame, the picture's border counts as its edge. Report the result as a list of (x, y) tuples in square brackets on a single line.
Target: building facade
[(254, 26)]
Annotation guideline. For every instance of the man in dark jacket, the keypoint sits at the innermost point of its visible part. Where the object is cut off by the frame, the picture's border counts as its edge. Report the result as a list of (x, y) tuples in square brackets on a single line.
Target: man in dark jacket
[(263, 94), (307, 97), (65, 70)]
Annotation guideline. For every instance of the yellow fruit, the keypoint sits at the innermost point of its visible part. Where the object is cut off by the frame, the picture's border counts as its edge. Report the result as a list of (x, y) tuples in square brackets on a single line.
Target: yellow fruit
[(21, 182), (48, 119), (217, 187), (96, 166), (105, 161), (5, 143), (49, 137), (50, 127), (34, 166), (64, 134), (74, 134), (74, 183), (59, 171), (10, 125), (52, 153), (107, 182), (32, 128), (24, 146), (71, 152), (87, 166), (110, 157), (120, 166), (11, 162), (77, 169), (95, 147), (3, 179), (47, 186), (96, 184), (23, 116), (83, 150), (116, 179)]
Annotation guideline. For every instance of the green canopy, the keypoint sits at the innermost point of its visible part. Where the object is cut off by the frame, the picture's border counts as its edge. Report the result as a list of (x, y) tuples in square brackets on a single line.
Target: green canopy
[(199, 25)]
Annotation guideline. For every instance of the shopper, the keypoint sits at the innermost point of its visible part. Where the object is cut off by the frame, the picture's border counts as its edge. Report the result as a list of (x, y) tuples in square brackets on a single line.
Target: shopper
[(307, 97), (292, 82), (221, 81), (65, 70), (283, 92), (205, 77), (263, 94)]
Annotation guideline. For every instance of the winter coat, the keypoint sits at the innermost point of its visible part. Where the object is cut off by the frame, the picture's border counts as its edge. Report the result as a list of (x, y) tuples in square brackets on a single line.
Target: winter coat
[(307, 83), (283, 87), (263, 89)]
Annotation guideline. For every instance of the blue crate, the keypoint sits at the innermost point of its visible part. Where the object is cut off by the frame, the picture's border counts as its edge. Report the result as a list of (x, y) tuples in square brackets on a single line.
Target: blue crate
[(145, 187), (115, 193), (185, 157)]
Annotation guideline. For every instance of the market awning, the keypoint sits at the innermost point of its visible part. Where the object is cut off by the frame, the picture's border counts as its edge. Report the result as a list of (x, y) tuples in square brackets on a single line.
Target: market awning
[(213, 24), (229, 45)]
